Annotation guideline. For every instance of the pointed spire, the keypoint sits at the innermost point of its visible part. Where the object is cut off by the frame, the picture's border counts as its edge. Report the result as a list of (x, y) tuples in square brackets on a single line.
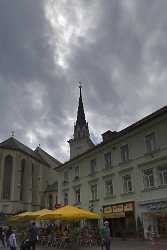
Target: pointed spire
[(81, 141), (80, 114)]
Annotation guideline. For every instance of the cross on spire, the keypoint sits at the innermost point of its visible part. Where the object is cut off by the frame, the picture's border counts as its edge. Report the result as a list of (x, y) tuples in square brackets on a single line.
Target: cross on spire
[(81, 121), (80, 87)]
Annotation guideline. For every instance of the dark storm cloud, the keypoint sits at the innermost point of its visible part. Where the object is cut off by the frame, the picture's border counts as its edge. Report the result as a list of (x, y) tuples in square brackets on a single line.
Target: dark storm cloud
[(117, 48), (125, 62), (29, 84), (24, 45)]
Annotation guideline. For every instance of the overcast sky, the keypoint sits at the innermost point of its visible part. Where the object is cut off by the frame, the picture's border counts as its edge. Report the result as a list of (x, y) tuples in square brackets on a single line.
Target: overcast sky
[(117, 48)]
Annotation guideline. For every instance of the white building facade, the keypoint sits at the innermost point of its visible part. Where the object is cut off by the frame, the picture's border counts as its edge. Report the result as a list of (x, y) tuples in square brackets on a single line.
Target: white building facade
[(124, 177)]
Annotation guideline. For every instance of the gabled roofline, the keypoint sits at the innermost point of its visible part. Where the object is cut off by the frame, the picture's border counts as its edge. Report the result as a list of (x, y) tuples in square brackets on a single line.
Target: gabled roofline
[(16, 147), (22, 151), (48, 155), (142, 122)]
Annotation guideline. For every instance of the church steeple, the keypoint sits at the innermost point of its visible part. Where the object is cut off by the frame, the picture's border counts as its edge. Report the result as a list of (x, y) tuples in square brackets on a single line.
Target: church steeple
[(81, 121), (81, 141), (81, 129)]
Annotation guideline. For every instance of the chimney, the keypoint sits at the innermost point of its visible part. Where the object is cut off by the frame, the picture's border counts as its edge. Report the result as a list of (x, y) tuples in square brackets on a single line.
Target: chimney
[(108, 135)]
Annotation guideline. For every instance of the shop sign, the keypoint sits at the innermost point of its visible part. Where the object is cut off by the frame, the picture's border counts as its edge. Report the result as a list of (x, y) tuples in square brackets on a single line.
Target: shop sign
[(114, 215), (119, 208), (107, 210), (128, 207)]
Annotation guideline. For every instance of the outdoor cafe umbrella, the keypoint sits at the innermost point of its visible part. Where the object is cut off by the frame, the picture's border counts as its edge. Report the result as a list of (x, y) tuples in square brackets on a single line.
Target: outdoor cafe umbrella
[(69, 213), (21, 216), (29, 215)]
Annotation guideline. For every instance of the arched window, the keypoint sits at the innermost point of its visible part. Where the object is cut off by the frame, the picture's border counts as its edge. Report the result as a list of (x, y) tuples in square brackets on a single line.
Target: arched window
[(22, 176), (33, 183), (7, 178)]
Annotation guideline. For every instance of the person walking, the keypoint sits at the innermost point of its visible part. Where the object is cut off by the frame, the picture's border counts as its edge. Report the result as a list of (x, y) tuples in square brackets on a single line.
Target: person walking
[(12, 241), (105, 236), (2, 236), (33, 235), (8, 233)]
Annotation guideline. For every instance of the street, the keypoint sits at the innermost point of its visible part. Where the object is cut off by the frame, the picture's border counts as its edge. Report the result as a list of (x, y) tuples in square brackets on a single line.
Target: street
[(123, 245), (131, 245)]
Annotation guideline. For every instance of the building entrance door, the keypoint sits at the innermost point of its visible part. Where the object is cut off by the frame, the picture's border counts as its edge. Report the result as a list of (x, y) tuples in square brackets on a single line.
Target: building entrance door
[(162, 226), (117, 226)]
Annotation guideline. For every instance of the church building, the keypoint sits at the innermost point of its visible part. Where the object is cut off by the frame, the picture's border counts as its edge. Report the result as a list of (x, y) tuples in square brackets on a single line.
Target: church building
[(25, 177)]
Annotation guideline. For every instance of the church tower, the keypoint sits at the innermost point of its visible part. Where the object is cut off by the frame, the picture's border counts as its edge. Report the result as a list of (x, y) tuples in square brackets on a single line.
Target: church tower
[(81, 141)]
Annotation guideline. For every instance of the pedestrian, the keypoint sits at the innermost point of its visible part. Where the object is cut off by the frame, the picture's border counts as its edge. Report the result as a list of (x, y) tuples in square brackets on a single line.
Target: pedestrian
[(2, 236), (12, 241), (33, 235), (105, 235), (8, 233)]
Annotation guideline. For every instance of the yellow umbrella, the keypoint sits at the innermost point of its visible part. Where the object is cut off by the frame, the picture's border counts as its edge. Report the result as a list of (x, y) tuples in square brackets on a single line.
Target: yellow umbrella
[(36, 214), (70, 213), (21, 216), (29, 215)]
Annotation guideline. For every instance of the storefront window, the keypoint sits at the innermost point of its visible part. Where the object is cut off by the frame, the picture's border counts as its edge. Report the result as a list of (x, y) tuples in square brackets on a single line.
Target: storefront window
[(162, 226), (127, 183), (163, 176), (148, 178)]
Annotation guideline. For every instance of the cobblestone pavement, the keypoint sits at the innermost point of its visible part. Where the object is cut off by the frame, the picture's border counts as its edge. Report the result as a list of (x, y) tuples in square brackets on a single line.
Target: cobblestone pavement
[(129, 245), (122, 245)]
